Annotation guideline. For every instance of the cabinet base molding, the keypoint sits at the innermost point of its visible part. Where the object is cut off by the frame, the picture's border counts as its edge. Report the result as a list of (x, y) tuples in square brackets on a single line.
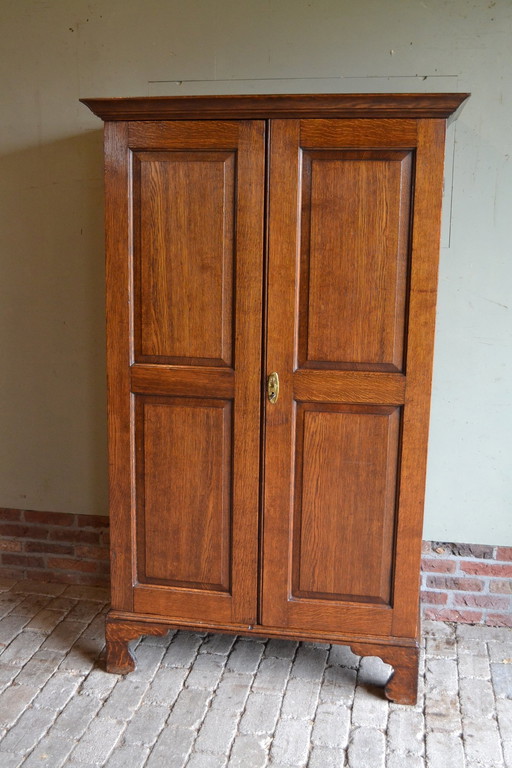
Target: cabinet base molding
[(400, 653)]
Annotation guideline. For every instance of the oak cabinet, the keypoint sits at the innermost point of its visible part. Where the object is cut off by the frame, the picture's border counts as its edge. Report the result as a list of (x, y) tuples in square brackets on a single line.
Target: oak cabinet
[(271, 281)]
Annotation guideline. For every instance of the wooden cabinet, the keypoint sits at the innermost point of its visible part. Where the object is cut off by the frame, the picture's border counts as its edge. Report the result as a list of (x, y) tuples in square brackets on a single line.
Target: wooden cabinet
[(250, 236)]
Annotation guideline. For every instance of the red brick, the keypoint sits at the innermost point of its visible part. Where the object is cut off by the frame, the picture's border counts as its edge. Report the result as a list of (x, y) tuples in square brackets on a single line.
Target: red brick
[(452, 582), (486, 569), (482, 601), (49, 518), (21, 531), (10, 545), (92, 521), (499, 620), (462, 550), (68, 564), (47, 546), (46, 575), (92, 553), (10, 514), (500, 586), (23, 561), (448, 614), (41, 574), (72, 535), (434, 598), (10, 573), (90, 579), (471, 550), (436, 565), (504, 553)]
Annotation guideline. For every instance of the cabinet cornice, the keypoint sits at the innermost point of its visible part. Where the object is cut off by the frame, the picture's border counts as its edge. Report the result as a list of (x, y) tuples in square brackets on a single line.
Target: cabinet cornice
[(345, 105)]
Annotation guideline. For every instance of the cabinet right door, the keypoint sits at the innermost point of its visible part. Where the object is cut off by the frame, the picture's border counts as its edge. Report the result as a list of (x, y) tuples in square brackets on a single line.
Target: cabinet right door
[(354, 213)]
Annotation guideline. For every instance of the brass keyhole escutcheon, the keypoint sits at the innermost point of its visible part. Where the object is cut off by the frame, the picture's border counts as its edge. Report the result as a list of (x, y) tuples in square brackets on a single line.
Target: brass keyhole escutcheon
[(273, 387)]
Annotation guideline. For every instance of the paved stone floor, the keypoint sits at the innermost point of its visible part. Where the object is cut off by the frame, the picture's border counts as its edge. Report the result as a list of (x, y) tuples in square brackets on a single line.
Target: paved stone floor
[(206, 701)]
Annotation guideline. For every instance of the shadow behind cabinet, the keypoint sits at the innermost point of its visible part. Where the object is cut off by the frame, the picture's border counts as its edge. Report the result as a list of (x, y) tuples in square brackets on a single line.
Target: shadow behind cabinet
[(256, 242)]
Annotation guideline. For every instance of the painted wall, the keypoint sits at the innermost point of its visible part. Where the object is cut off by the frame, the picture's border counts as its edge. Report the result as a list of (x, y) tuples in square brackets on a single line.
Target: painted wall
[(52, 405)]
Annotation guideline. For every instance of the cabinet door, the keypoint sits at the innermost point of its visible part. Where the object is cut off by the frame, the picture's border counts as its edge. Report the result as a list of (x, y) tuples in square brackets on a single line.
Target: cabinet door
[(350, 324), (184, 261)]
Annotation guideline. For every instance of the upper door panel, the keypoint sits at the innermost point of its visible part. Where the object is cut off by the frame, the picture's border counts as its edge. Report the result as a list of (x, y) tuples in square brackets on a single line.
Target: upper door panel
[(356, 188), (354, 243), (184, 191), (183, 246)]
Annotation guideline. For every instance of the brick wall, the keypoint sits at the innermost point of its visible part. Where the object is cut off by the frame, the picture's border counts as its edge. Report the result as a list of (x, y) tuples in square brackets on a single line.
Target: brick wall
[(467, 583), (459, 582), (54, 546)]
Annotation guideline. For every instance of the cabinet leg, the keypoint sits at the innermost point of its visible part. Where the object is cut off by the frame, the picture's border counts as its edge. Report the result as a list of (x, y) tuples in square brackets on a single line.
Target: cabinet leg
[(402, 686), (120, 660)]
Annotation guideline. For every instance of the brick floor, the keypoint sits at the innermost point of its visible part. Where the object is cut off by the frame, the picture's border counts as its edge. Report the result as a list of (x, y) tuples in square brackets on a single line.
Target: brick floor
[(205, 701)]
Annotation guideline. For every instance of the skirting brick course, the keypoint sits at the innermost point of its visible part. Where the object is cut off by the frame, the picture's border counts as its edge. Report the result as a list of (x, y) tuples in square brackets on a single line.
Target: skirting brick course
[(54, 546), (466, 583)]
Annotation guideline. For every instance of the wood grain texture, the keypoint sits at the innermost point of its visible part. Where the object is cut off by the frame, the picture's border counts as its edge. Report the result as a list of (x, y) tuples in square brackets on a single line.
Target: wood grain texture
[(182, 135), (119, 358), (186, 596), (362, 132), (186, 603), (316, 510), (345, 499), (354, 249), (337, 105), (183, 250), (184, 480), (282, 275), (185, 380), (340, 636), (348, 387), (250, 238), (179, 225), (346, 203), (420, 351), (402, 686), (119, 657)]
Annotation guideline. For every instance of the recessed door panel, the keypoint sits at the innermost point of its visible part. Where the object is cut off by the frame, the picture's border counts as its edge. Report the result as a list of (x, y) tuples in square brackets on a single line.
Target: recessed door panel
[(183, 243), (184, 497), (345, 498), (354, 246)]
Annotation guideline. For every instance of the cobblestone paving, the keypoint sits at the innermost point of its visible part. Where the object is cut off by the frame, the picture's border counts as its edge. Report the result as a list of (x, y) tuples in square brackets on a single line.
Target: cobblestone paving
[(210, 701)]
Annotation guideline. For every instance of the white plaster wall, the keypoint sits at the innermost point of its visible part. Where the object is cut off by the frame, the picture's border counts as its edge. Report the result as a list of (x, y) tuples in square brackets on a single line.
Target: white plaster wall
[(52, 407)]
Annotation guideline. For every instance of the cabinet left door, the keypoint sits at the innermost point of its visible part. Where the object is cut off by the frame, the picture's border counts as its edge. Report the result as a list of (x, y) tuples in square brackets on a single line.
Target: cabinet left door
[(184, 242)]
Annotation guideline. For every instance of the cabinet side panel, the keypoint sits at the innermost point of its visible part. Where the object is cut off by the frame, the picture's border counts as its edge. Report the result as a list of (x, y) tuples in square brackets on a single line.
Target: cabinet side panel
[(420, 349), (119, 356), (345, 502), (184, 492)]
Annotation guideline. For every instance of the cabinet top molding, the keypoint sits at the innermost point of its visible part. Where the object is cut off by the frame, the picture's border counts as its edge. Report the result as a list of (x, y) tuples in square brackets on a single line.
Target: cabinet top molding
[(326, 105)]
